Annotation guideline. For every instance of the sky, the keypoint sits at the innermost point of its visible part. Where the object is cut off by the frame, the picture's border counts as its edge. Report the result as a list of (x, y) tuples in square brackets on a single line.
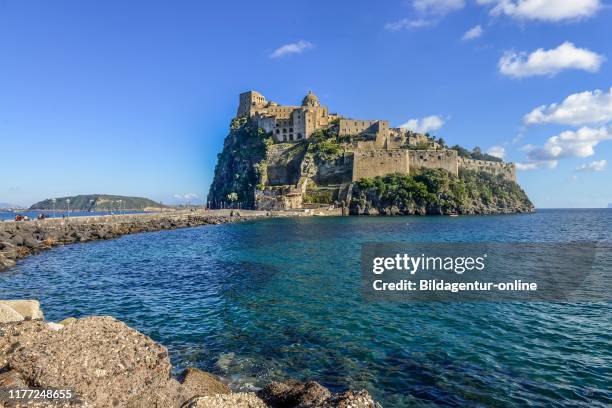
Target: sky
[(135, 98)]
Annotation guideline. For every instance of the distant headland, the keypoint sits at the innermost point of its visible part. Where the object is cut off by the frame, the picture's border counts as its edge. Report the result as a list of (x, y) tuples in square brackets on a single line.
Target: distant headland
[(295, 157), (97, 202)]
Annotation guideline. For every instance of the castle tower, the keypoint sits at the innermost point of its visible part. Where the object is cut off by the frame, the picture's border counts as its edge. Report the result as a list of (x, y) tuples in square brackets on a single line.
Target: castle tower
[(250, 100), (311, 100)]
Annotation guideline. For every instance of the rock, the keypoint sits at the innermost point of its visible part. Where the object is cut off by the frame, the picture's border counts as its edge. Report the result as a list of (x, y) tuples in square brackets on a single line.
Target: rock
[(67, 321), (29, 309), (11, 379), (198, 382), (236, 400), (351, 399), (104, 361), (8, 314), (55, 326), (293, 394), (30, 242), (6, 263)]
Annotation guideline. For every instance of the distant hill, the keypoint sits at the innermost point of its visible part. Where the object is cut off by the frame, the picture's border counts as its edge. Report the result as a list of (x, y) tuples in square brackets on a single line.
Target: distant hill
[(8, 205), (96, 202), (610, 205)]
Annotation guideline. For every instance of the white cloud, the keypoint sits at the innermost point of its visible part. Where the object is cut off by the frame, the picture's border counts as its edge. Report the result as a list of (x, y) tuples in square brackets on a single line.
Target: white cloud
[(570, 143), (292, 48), (187, 196), (424, 125), (577, 109), (497, 151), (472, 33), (440, 7), (535, 165), (544, 10), (549, 62), (597, 165), (406, 24)]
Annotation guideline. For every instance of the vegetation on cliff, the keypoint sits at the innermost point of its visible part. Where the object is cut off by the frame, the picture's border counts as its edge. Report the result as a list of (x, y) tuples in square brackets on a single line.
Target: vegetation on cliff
[(324, 145), (95, 202), (241, 166), (436, 191)]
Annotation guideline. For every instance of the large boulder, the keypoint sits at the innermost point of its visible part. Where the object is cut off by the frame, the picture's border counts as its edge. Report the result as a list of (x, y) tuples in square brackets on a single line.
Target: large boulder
[(293, 394), (9, 315), (236, 400), (198, 382), (105, 362), (29, 309)]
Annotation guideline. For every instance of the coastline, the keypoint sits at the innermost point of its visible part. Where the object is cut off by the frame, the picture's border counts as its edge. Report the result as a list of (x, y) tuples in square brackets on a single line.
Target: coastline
[(19, 239), (99, 361)]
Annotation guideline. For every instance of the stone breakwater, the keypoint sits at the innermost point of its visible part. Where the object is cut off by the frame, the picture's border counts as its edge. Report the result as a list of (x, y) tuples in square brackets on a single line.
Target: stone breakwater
[(20, 239), (104, 363)]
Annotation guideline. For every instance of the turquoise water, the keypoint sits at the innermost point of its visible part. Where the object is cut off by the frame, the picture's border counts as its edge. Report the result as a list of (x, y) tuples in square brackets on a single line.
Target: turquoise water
[(280, 298)]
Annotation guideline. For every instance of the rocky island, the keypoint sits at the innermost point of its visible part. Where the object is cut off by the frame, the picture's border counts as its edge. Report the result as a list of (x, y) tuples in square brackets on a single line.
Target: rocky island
[(97, 202), (295, 157)]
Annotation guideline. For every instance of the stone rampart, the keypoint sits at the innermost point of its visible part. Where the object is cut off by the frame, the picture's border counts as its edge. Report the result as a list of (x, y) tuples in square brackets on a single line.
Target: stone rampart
[(434, 159), (372, 163), (507, 170)]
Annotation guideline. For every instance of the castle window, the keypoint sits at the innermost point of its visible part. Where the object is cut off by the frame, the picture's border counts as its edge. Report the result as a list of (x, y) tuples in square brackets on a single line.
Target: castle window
[(299, 135), (284, 130), (284, 138), (277, 131), (291, 129)]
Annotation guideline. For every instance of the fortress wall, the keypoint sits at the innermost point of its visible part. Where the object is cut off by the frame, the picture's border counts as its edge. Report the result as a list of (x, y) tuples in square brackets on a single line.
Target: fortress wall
[(507, 170), (434, 159), (372, 163)]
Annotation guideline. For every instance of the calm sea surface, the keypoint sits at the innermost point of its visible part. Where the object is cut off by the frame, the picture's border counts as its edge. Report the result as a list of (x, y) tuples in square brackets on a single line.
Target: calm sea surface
[(280, 298)]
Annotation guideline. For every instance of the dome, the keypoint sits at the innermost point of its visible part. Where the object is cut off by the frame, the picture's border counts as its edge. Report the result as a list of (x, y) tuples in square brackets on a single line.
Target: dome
[(310, 100)]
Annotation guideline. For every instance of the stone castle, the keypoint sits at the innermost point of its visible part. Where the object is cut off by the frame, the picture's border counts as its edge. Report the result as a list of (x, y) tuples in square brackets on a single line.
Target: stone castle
[(371, 147)]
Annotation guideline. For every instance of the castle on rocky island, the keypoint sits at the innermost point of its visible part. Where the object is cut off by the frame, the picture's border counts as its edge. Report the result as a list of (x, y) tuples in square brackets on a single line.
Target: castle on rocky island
[(377, 148), (316, 157)]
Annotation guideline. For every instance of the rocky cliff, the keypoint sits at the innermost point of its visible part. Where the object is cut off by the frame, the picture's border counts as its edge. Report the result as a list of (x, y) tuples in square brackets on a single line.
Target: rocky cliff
[(437, 192), (240, 166)]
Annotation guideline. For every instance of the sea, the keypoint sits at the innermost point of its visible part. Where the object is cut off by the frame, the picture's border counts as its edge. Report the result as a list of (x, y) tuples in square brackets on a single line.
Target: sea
[(280, 298)]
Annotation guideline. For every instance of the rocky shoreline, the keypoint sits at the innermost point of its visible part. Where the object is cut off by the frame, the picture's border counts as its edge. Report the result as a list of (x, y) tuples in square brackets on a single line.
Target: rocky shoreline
[(20, 239), (104, 363)]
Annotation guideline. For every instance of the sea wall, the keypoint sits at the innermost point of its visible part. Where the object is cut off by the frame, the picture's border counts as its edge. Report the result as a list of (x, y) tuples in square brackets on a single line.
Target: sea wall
[(20, 239)]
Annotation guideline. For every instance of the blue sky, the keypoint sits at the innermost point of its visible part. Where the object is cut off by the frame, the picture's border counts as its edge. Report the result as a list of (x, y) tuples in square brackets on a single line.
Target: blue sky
[(135, 97)]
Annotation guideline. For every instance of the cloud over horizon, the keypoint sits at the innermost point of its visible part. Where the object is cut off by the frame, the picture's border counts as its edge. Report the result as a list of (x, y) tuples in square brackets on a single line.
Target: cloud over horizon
[(292, 48), (567, 144), (424, 125), (549, 62), (588, 107)]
